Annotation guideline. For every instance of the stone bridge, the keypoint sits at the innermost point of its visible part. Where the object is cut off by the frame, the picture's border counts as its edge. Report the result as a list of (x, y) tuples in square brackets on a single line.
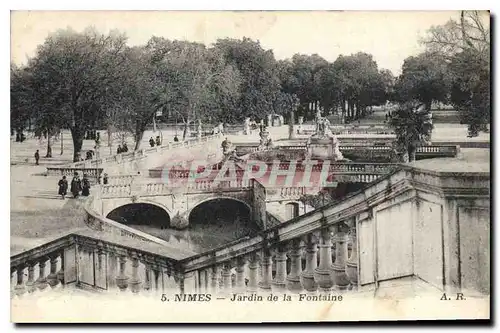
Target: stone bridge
[(179, 202)]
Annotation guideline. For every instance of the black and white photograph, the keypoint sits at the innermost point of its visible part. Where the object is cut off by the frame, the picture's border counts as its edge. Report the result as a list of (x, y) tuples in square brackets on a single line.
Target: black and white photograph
[(249, 166)]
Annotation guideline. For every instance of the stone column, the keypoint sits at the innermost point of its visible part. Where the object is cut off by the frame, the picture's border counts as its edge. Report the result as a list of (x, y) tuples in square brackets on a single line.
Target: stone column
[(338, 268), (253, 266), (202, 281), (122, 279), (267, 274), (322, 272), (240, 276), (351, 269), (293, 279), (30, 284), (41, 282), (52, 277), (60, 272), (20, 288), (135, 282), (279, 282), (307, 275)]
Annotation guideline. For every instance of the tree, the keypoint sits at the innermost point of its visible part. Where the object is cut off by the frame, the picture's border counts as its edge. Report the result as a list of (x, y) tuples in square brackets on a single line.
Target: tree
[(413, 126), (78, 71), (20, 98), (259, 76), (465, 44), (423, 78)]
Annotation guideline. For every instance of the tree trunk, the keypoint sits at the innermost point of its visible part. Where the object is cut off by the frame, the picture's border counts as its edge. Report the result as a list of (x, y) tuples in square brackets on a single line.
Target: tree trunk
[(291, 132), (186, 130), (49, 147), (62, 140), (110, 140), (139, 133), (77, 137), (411, 153)]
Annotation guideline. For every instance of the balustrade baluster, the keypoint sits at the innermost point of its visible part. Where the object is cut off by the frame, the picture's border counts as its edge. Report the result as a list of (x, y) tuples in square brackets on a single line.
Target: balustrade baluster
[(226, 278), (135, 282), (267, 274), (307, 276), (279, 282), (253, 266), (293, 279), (41, 282), (338, 268), (214, 285), (122, 278), (52, 279), (351, 269), (20, 288), (147, 279), (30, 284), (240, 276), (322, 272)]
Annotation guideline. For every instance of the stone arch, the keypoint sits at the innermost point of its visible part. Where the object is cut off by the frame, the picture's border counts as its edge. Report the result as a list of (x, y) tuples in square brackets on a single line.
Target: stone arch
[(141, 213), (292, 210), (222, 218)]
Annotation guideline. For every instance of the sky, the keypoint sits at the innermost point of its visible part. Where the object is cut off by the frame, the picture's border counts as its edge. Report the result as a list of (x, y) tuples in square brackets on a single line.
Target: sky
[(389, 36)]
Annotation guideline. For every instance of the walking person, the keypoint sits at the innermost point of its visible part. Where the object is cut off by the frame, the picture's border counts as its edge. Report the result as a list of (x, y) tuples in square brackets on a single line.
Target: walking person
[(119, 150), (37, 157), (158, 141), (151, 142), (85, 186), (105, 179), (76, 186), (124, 148), (63, 187), (176, 139)]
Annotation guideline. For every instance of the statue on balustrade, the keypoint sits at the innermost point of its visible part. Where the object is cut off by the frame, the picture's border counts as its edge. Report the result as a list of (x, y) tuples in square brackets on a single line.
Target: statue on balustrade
[(246, 129), (227, 147)]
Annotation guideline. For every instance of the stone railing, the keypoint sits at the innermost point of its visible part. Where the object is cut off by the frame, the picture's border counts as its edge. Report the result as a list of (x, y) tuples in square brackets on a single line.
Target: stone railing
[(69, 172), (394, 203), (93, 262), (142, 153), (278, 193), (122, 179), (407, 224)]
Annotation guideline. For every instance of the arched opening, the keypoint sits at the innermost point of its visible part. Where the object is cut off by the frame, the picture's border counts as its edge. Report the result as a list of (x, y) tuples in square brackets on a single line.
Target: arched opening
[(218, 221), (141, 216), (291, 210)]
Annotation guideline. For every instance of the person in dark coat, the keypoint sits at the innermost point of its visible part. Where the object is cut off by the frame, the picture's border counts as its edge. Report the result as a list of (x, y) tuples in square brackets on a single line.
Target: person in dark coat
[(158, 141), (119, 149), (125, 148), (37, 157), (176, 139), (151, 142), (105, 179), (85, 186), (63, 187), (76, 185)]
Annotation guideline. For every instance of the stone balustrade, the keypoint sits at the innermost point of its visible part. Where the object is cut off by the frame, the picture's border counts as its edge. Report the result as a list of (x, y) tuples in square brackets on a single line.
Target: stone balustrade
[(83, 261), (405, 224), (69, 172)]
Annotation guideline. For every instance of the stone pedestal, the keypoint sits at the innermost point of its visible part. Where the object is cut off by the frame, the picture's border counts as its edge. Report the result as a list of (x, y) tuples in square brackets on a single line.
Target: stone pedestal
[(326, 148)]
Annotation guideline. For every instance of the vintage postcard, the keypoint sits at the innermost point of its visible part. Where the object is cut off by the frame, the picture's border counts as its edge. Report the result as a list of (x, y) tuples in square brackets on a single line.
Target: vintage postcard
[(249, 166)]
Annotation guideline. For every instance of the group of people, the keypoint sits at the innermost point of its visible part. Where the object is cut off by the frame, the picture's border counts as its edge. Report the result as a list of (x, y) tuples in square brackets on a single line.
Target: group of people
[(77, 185), (122, 149), (157, 142)]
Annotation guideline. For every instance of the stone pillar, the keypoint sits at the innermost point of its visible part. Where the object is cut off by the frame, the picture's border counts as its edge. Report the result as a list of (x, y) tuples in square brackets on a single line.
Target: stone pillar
[(240, 276), (279, 282), (214, 286), (157, 283), (202, 281), (52, 277), (307, 275), (41, 282), (267, 274), (135, 282), (338, 268), (122, 279), (20, 288), (253, 266), (293, 279), (30, 284), (351, 269), (322, 272)]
